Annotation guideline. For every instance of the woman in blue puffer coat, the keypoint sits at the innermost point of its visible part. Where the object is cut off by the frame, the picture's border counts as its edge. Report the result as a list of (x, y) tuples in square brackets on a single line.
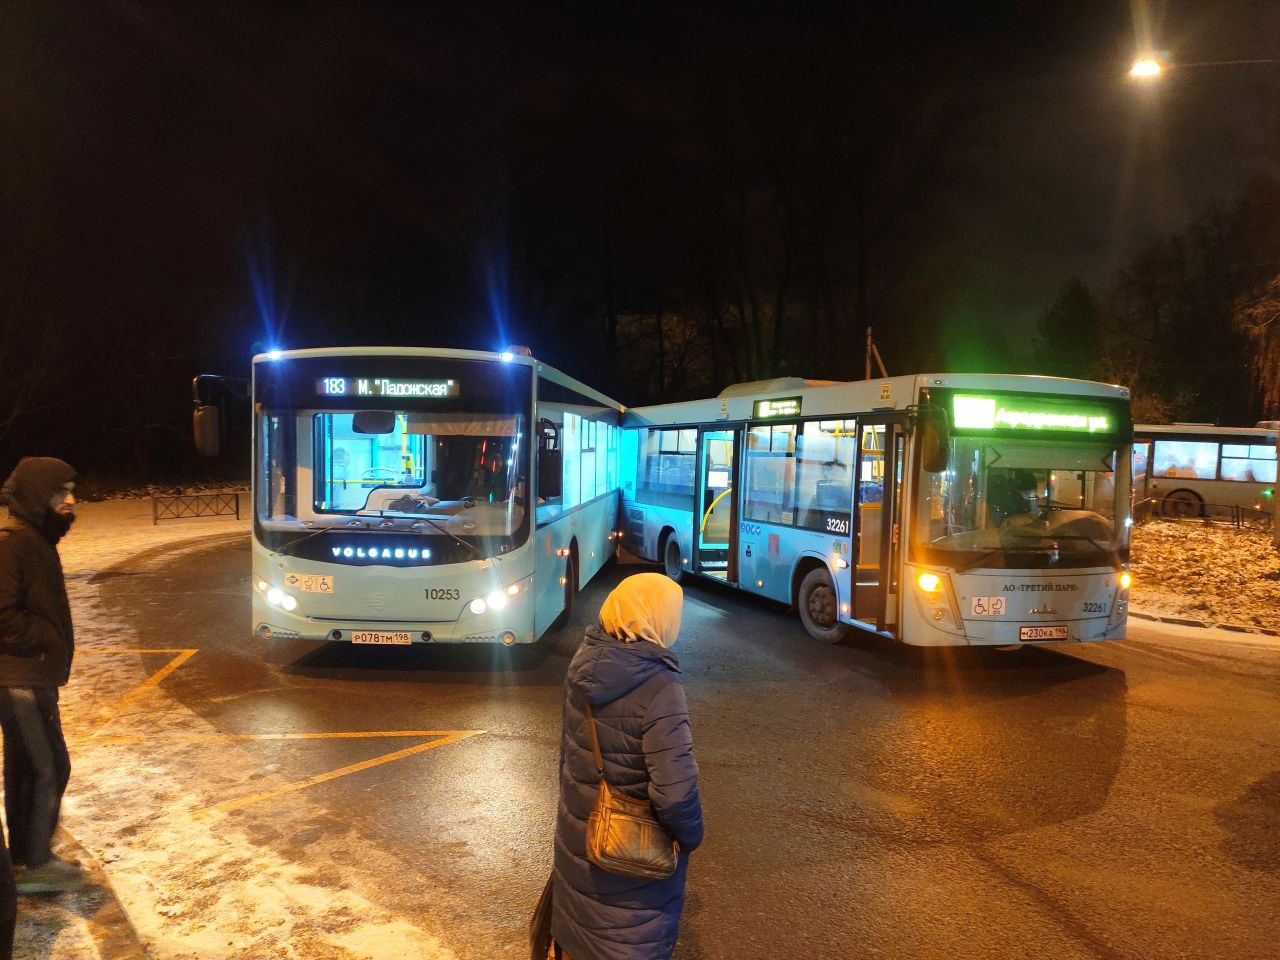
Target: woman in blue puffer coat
[(626, 670)]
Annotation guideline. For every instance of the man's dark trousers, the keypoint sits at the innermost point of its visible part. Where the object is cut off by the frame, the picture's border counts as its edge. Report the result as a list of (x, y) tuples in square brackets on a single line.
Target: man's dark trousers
[(36, 770)]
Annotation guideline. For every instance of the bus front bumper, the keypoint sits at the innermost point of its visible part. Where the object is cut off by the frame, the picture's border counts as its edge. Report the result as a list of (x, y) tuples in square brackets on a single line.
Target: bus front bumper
[(273, 623)]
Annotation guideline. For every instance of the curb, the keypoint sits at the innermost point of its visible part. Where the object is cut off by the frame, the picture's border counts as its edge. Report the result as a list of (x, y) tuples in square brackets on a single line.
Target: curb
[(1205, 624)]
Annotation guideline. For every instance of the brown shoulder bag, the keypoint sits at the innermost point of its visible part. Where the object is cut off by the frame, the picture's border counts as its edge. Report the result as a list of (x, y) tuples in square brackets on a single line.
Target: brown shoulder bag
[(622, 835)]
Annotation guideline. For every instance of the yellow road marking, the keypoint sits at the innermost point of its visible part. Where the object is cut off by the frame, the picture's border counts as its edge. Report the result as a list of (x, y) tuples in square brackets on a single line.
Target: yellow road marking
[(330, 735), (160, 675), (228, 806), (183, 654)]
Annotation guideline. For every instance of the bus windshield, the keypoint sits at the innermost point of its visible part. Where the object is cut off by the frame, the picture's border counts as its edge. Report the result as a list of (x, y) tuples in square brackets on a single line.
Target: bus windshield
[(452, 468), (1013, 503)]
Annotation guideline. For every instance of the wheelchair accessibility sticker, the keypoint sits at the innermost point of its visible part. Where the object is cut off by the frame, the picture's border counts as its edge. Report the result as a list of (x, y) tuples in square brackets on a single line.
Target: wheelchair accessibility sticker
[(986, 606)]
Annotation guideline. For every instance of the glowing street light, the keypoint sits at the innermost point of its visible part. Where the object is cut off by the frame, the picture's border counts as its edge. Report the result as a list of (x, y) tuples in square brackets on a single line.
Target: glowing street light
[(1146, 68)]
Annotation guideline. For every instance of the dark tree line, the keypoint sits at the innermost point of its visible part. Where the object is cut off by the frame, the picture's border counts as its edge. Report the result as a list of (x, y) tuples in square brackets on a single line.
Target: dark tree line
[(660, 206), (1189, 323)]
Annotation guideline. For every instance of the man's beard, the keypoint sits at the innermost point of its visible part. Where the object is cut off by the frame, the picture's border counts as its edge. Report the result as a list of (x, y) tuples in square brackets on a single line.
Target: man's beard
[(55, 525)]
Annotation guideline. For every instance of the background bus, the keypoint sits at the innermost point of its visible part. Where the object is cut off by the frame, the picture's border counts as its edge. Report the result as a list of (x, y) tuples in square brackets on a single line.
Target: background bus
[(1194, 470), (938, 509), (408, 495)]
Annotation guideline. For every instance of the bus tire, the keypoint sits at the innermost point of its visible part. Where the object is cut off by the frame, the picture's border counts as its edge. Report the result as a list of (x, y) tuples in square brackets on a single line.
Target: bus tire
[(819, 612), (672, 561), (570, 588), (1182, 503)]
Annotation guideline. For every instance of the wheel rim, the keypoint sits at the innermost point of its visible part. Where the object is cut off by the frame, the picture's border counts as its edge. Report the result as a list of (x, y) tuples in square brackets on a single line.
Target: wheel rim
[(673, 558), (822, 606)]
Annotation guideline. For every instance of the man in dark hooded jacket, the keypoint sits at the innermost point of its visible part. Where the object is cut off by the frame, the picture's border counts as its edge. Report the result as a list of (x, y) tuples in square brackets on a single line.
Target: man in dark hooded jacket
[(36, 646)]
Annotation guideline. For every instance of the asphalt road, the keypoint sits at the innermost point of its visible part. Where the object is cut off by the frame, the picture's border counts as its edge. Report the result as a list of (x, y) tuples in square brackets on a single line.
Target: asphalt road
[(861, 800)]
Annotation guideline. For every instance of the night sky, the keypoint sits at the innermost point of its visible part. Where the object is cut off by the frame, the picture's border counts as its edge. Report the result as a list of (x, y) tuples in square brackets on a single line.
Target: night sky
[(187, 184)]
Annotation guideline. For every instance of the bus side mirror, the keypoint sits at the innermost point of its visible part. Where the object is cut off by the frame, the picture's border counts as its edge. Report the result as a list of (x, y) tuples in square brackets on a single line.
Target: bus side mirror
[(206, 429), (935, 439), (373, 421)]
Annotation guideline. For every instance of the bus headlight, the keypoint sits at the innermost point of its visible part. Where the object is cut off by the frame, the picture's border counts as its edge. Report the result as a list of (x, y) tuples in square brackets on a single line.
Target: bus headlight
[(262, 585), (1126, 578), (275, 596), (289, 603), (929, 582), (499, 599)]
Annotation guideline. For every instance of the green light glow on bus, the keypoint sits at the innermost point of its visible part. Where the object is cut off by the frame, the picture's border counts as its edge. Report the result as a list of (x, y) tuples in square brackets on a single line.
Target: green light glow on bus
[(989, 413)]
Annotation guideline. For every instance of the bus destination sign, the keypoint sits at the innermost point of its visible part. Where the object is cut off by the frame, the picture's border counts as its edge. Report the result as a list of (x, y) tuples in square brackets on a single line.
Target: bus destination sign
[(782, 407), (1016, 413), (383, 387)]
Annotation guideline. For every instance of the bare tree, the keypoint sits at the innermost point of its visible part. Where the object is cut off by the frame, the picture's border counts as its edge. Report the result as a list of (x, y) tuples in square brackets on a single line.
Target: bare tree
[(1258, 318)]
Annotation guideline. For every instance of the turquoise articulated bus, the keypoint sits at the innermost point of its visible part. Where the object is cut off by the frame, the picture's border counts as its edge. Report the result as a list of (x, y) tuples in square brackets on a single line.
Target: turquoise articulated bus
[(938, 509), (409, 495)]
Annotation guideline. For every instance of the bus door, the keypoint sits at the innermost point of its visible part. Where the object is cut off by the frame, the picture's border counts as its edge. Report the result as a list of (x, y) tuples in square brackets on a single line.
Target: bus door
[(877, 517), (715, 535)]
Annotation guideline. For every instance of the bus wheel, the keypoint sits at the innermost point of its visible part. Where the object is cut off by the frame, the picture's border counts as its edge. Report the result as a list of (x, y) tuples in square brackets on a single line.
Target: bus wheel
[(1182, 503), (672, 562), (570, 588), (817, 604)]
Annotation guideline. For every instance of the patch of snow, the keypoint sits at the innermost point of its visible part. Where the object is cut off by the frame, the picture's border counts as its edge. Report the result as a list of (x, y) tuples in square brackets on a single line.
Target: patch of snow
[(1206, 571)]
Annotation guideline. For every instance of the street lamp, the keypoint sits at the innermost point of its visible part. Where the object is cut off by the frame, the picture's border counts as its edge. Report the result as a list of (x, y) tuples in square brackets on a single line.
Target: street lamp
[(1146, 68), (1150, 66)]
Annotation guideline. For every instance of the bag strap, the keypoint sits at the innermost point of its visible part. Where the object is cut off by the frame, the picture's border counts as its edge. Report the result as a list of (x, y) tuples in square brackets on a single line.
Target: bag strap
[(595, 741)]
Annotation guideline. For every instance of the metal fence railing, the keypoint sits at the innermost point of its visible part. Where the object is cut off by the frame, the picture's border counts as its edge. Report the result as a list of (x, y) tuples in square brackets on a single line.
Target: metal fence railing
[(1226, 514), (195, 505)]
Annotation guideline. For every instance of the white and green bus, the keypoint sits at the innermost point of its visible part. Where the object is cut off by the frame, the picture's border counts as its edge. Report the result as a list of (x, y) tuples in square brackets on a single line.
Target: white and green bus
[(1198, 470), (939, 509), (409, 495)]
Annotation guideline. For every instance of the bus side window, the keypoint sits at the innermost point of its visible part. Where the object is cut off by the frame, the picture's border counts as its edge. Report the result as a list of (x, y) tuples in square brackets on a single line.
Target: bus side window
[(1185, 458), (824, 475), (770, 473), (1252, 463)]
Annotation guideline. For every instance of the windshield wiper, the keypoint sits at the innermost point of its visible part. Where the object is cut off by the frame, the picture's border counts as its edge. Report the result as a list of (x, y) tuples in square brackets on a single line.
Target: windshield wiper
[(983, 557), (453, 536), (979, 560), (288, 547), (1105, 548)]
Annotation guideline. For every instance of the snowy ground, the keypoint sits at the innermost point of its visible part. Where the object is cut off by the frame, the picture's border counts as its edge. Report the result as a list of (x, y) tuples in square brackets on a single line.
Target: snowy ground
[(194, 885), (1209, 572)]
